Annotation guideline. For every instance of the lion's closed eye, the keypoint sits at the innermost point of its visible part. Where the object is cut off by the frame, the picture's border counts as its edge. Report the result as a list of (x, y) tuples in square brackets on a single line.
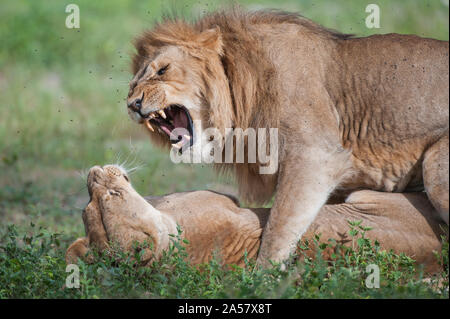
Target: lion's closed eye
[(113, 192)]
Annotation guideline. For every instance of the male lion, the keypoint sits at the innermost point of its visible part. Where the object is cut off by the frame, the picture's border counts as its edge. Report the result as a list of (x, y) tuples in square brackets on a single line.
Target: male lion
[(352, 113), (213, 222)]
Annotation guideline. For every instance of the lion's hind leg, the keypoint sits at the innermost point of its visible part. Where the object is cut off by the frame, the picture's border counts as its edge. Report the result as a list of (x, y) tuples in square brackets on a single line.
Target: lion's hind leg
[(435, 176)]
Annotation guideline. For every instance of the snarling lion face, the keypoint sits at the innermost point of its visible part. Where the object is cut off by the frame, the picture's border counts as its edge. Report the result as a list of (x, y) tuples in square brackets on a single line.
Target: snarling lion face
[(162, 95), (177, 83)]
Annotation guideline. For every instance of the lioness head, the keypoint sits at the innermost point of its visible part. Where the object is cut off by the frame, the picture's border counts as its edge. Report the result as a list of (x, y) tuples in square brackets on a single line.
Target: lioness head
[(117, 210), (179, 82), (109, 188), (109, 179)]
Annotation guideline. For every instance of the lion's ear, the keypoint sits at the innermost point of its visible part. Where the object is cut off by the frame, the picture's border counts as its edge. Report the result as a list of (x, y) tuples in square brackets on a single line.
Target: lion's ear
[(211, 39)]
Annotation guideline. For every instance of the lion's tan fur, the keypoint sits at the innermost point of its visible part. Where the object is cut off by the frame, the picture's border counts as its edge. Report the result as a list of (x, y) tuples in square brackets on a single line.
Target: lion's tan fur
[(352, 112)]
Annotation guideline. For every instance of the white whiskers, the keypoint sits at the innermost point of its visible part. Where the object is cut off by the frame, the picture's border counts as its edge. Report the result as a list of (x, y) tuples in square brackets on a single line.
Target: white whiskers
[(83, 173), (131, 163)]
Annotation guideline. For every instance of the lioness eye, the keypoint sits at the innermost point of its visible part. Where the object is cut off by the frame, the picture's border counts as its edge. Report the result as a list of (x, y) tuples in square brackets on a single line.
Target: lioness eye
[(162, 70), (126, 178)]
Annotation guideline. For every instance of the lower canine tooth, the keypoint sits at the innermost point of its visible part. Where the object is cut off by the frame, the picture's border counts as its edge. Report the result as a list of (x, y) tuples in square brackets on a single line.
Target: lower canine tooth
[(149, 126), (177, 145)]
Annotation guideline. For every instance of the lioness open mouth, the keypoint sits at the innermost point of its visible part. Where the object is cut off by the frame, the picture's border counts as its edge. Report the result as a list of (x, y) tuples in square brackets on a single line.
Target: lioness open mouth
[(172, 117)]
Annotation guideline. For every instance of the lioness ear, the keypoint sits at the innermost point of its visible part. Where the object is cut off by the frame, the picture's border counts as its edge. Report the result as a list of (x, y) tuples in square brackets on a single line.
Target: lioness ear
[(211, 39)]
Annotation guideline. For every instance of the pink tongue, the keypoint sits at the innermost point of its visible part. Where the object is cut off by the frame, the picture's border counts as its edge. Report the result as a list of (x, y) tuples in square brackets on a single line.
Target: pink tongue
[(180, 120), (165, 129)]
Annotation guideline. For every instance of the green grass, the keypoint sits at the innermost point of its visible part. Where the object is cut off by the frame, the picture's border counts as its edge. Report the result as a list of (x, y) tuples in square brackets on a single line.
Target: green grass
[(33, 267), (62, 111)]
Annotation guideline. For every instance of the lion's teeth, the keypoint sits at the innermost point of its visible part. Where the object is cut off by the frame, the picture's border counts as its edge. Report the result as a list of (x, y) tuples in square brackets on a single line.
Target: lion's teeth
[(149, 126), (152, 115), (161, 112), (187, 137), (178, 145)]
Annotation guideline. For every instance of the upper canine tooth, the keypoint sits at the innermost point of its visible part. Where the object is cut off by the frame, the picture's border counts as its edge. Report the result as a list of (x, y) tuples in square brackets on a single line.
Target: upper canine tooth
[(187, 137), (161, 112)]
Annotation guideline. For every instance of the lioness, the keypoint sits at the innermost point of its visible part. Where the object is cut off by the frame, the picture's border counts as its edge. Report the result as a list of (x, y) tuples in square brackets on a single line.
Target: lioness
[(214, 222), (352, 113)]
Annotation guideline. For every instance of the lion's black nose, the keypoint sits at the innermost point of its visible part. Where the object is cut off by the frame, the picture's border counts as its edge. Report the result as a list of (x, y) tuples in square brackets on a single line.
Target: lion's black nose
[(136, 104)]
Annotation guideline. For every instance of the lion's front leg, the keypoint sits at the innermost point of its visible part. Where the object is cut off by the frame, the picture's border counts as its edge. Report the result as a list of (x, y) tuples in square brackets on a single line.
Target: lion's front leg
[(78, 249), (305, 182), (93, 225)]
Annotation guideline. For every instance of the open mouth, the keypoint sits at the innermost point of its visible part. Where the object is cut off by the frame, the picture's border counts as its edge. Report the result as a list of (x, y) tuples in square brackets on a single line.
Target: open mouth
[(170, 118)]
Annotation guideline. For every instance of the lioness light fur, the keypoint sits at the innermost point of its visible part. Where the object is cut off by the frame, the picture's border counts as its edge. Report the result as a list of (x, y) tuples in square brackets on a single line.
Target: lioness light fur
[(352, 113), (214, 222)]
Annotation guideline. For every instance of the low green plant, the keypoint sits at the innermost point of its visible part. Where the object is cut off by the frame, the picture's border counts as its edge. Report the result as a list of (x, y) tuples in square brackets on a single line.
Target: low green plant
[(32, 266)]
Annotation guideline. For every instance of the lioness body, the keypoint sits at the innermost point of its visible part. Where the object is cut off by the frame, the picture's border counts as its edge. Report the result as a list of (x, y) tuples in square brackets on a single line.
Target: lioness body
[(352, 113), (214, 223)]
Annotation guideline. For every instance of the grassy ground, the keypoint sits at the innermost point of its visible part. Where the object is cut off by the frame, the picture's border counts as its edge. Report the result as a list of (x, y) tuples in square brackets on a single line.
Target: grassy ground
[(62, 110)]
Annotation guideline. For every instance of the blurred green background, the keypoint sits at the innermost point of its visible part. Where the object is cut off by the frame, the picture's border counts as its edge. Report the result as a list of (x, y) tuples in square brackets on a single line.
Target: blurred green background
[(62, 91)]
